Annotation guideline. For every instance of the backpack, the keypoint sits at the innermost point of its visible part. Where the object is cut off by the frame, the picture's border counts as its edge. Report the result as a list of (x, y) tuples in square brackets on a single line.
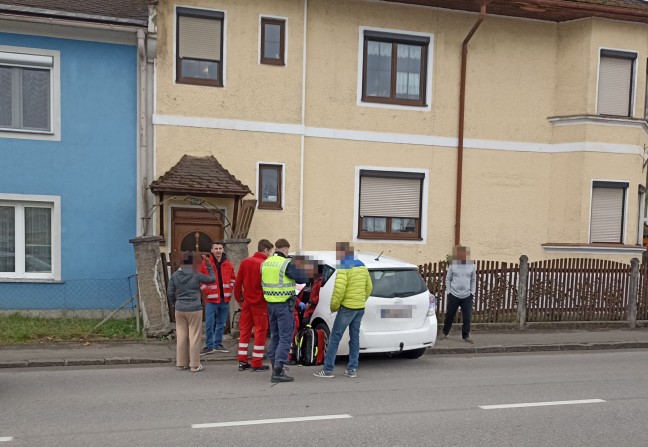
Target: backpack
[(310, 346)]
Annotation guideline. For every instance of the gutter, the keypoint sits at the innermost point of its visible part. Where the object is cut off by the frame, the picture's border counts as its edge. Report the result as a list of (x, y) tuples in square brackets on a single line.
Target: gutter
[(591, 7), (302, 138), (75, 23), (74, 16), (142, 159), (462, 110)]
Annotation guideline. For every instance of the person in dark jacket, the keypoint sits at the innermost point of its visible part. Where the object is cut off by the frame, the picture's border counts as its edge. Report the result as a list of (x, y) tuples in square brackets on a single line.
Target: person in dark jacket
[(184, 294)]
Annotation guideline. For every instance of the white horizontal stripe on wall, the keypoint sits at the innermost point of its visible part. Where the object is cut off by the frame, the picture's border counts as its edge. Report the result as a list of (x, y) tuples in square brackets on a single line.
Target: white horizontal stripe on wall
[(394, 138)]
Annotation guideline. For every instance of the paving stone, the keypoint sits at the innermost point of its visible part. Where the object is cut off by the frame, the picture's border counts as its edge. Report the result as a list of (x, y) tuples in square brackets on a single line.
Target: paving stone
[(150, 360), (83, 362), (42, 363), (18, 364), (117, 360), (537, 348), (489, 349)]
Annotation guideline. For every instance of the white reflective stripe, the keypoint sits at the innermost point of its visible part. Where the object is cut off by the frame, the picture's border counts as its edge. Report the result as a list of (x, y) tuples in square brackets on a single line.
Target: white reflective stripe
[(242, 353), (227, 294), (278, 286), (258, 348), (257, 354), (212, 295), (243, 345), (226, 286)]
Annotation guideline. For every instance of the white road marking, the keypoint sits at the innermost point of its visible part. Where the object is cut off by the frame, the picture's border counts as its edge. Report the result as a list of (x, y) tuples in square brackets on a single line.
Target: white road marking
[(272, 421), (542, 404), (6, 439)]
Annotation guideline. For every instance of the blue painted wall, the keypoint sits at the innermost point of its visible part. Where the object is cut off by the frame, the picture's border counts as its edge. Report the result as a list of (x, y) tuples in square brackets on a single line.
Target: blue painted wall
[(93, 168)]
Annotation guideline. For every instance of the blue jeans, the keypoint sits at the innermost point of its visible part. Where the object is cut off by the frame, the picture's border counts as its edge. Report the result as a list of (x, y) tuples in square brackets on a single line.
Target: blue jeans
[(282, 325), (350, 318), (215, 318)]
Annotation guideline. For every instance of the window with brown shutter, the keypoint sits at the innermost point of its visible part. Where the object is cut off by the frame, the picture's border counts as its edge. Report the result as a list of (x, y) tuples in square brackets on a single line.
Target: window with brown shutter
[(390, 205), (608, 211), (199, 47), (615, 85)]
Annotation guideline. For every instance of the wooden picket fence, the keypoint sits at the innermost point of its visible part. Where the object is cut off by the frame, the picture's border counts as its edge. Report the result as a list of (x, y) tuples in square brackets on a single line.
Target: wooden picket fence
[(642, 299), (577, 290), (496, 290), (572, 289)]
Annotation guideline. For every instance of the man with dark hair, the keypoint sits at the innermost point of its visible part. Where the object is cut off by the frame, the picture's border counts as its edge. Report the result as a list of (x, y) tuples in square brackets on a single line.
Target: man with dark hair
[(217, 297), (278, 279), (254, 308)]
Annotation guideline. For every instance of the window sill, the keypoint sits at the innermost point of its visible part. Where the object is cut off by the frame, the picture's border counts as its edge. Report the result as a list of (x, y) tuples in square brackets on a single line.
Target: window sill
[(622, 121), (270, 208), (29, 134), (31, 280), (600, 248)]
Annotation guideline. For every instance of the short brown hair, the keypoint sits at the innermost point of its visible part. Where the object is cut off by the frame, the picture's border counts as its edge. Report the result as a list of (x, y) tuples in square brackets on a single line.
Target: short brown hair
[(264, 244), (282, 243), (218, 243)]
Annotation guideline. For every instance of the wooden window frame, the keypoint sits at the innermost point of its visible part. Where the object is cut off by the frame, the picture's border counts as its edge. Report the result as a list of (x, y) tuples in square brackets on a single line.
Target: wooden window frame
[(633, 57), (282, 41), (272, 205), (393, 100), (200, 14), (389, 235)]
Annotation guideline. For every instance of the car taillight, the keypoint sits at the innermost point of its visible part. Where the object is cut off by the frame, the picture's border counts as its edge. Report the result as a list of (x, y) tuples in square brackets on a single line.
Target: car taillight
[(432, 308)]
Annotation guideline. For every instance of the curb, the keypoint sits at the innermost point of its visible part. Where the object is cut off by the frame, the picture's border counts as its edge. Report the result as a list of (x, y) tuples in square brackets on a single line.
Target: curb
[(498, 349), (494, 349)]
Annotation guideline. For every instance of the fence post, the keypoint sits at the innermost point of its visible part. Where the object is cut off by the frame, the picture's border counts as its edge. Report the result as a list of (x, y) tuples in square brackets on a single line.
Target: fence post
[(633, 292), (522, 291)]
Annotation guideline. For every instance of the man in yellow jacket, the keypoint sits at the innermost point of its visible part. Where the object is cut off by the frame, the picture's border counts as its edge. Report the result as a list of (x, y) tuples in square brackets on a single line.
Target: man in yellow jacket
[(350, 293)]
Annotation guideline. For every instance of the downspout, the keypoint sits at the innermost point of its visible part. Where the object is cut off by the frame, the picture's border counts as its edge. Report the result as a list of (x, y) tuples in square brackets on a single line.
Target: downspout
[(462, 109), (142, 152), (302, 142)]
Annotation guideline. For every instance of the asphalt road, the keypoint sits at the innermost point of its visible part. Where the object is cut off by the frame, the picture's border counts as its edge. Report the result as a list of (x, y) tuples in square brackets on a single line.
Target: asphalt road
[(433, 401)]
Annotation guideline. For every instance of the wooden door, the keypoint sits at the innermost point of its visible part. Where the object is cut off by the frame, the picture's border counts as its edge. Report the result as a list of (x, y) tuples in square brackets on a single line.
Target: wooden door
[(192, 229)]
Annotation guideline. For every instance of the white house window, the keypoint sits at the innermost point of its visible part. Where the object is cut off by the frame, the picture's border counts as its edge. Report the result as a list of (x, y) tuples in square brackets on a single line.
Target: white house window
[(608, 212), (26, 92), (390, 205), (616, 79), (29, 239)]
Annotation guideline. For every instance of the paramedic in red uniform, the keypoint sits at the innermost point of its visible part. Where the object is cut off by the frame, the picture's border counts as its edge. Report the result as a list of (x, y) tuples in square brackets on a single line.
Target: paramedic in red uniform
[(254, 308)]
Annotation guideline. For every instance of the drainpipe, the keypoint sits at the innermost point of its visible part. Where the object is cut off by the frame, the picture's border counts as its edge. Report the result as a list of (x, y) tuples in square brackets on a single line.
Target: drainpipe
[(142, 156), (462, 107), (302, 138)]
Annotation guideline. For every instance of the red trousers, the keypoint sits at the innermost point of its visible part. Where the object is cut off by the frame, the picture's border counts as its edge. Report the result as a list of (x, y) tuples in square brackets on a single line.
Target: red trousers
[(253, 316)]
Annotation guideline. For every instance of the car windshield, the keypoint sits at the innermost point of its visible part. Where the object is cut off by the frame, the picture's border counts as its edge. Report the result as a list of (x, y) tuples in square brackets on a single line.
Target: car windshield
[(396, 283)]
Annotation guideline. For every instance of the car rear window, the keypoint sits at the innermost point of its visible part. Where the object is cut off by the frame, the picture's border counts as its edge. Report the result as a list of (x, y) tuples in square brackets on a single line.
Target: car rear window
[(396, 283)]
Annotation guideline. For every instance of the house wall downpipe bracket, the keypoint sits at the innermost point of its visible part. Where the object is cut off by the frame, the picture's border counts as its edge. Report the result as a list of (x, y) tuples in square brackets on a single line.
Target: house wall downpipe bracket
[(462, 109)]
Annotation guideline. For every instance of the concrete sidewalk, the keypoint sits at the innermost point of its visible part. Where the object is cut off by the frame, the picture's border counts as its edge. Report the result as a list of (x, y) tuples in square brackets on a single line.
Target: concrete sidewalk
[(127, 352)]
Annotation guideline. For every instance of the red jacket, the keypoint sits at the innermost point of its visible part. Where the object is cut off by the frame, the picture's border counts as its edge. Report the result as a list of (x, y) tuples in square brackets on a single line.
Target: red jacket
[(225, 276), (248, 284)]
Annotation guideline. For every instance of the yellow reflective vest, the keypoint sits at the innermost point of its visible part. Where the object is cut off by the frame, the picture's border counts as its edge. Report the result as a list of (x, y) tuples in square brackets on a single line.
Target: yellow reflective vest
[(277, 287)]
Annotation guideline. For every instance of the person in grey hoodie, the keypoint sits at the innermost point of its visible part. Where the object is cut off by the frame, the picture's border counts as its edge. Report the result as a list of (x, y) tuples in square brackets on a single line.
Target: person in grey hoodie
[(184, 294), (461, 281)]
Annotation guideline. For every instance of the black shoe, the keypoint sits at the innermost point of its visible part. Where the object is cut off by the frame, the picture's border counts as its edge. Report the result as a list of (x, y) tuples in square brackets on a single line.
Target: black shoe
[(206, 350), (279, 375), (243, 366), (261, 368)]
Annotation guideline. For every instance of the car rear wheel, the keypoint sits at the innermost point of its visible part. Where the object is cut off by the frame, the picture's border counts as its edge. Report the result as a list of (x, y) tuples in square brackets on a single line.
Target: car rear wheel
[(414, 353)]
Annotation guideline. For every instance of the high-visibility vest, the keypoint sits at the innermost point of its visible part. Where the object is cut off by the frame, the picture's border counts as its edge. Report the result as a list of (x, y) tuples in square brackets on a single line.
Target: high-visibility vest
[(277, 287)]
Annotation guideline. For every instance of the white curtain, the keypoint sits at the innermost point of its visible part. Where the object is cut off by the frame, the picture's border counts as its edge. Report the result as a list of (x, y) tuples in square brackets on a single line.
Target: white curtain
[(408, 77)]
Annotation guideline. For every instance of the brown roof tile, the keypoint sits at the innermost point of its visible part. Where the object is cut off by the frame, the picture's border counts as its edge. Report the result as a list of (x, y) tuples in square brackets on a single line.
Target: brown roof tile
[(550, 10), (132, 12), (202, 176)]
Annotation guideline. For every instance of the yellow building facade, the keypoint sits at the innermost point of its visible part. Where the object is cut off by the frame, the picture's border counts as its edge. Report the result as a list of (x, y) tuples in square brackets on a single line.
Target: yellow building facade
[(342, 118)]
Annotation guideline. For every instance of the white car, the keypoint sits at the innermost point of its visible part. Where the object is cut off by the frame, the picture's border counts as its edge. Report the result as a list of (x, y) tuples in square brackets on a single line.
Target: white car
[(400, 314)]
